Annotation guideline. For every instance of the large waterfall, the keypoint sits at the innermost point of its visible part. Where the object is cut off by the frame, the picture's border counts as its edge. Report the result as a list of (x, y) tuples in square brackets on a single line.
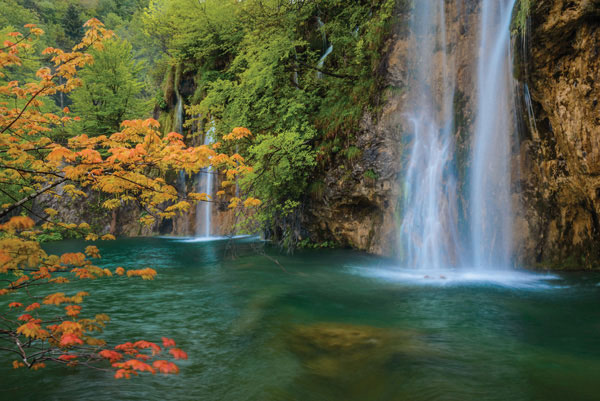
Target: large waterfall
[(451, 219)]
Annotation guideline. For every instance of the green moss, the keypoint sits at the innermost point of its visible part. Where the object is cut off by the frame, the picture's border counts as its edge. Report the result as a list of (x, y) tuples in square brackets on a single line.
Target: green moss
[(371, 175), (317, 189), (521, 15), (353, 153)]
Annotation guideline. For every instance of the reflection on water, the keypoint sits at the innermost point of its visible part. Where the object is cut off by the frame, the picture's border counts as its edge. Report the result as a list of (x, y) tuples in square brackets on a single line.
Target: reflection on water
[(335, 325)]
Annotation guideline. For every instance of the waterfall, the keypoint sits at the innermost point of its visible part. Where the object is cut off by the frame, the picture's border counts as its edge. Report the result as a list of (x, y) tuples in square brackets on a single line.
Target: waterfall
[(432, 233), (205, 185), (490, 178), (327, 48), (428, 229), (178, 125)]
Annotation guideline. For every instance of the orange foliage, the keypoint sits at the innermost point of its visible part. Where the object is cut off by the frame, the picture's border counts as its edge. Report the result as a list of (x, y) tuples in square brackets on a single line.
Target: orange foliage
[(130, 166), (145, 274), (69, 339), (178, 354), (165, 367), (67, 357), (168, 342), (33, 306), (112, 356)]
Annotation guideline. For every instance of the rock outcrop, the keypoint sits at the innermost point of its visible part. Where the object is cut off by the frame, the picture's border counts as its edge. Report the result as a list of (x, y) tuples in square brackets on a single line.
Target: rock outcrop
[(559, 184)]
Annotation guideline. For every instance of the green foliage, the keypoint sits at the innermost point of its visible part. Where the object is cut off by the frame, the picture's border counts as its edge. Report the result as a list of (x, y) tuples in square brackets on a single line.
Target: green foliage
[(282, 166), (308, 244), (521, 14), (353, 153), (73, 24), (317, 189), (255, 66), (111, 91), (15, 15), (371, 175)]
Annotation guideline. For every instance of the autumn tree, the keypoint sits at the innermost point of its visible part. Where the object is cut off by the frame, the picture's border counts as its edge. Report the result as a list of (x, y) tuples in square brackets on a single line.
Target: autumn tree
[(42, 321)]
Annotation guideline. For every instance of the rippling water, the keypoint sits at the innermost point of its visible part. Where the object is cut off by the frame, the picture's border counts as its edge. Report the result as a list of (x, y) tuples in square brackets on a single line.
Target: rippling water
[(333, 325)]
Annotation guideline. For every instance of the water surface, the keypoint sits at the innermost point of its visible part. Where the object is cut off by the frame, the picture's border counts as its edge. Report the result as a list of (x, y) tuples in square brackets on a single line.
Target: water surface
[(332, 325)]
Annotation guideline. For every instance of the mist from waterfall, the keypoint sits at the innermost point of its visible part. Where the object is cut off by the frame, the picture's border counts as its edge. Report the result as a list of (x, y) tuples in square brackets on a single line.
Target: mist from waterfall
[(443, 225)]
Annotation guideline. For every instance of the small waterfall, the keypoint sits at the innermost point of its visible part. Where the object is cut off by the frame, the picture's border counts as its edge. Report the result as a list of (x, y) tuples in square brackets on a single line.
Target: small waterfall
[(326, 46), (178, 125), (205, 185), (490, 197), (432, 235)]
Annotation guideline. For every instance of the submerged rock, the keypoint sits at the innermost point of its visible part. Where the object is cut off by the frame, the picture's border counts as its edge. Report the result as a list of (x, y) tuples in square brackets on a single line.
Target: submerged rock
[(334, 350)]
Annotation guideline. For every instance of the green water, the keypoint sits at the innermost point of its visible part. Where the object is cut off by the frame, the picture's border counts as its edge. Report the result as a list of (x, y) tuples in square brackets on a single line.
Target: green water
[(335, 325)]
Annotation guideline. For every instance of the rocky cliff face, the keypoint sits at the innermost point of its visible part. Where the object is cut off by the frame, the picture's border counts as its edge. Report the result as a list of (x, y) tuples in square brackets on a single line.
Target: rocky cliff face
[(559, 184)]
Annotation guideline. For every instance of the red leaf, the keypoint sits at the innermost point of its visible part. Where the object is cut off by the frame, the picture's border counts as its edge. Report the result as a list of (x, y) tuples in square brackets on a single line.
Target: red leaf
[(167, 342), (178, 354), (69, 339), (113, 356), (165, 367)]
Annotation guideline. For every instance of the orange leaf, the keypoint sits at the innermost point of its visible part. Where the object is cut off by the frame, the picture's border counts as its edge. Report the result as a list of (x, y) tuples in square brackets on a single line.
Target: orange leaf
[(167, 342), (147, 344), (25, 317), (33, 306), (113, 356), (70, 339), (73, 310), (56, 299), (165, 367), (66, 357), (15, 305), (178, 353)]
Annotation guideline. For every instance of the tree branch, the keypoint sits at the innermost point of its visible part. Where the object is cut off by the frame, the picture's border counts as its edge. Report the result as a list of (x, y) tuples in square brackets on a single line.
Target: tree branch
[(30, 197)]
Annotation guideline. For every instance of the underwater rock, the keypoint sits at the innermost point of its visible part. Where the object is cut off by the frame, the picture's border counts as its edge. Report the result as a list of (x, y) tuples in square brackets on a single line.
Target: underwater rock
[(334, 349)]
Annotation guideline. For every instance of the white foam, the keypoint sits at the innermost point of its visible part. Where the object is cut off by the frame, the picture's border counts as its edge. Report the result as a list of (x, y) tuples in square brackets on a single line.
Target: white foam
[(460, 277)]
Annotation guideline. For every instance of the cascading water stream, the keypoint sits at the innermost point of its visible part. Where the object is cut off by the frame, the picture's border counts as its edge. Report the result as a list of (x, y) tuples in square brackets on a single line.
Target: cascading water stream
[(431, 234), (490, 171), (205, 185), (328, 48), (178, 125), (429, 221)]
